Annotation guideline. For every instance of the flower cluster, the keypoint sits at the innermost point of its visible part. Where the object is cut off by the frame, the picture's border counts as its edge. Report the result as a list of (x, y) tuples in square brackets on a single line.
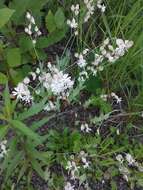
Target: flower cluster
[(50, 106), (106, 52), (73, 167), (101, 6), (68, 186), (22, 92), (53, 80), (125, 162), (90, 9), (56, 81), (32, 29), (81, 62), (85, 128), (83, 156), (113, 95), (113, 54), (75, 9), (3, 149), (73, 23)]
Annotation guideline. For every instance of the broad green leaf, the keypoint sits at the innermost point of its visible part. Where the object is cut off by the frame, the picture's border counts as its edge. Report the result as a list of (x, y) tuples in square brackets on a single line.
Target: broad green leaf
[(35, 109), (3, 78), (5, 14), (50, 22), (13, 57), (54, 37), (25, 130), (59, 18), (25, 43), (15, 76), (21, 6)]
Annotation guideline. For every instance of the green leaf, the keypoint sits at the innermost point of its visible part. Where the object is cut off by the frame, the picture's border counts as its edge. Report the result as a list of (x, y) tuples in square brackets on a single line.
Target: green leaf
[(7, 102), (25, 43), (60, 18), (54, 37), (3, 78), (35, 109), (37, 167), (3, 131), (40, 123), (50, 22), (25, 130), (14, 57), (5, 14), (13, 164), (11, 153), (93, 83)]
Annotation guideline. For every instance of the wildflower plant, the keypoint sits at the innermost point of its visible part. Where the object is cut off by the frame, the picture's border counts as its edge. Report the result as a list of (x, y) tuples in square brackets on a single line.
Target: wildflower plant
[(51, 122)]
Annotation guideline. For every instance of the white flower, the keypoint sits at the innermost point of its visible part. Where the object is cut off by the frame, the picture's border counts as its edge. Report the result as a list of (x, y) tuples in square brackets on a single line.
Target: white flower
[(33, 75), (36, 29), (26, 80), (75, 9), (22, 93), (38, 71), (32, 29), (130, 159), (39, 33), (104, 97), (34, 41), (28, 31), (46, 79), (28, 15), (98, 60), (3, 150), (118, 99), (120, 158), (68, 186), (72, 23), (50, 106), (61, 83), (101, 6), (85, 51), (90, 9), (72, 168), (81, 61), (83, 156), (113, 54), (85, 128)]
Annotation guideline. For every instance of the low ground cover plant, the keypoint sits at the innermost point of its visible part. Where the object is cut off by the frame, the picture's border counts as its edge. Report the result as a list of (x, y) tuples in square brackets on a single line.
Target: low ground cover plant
[(71, 95)]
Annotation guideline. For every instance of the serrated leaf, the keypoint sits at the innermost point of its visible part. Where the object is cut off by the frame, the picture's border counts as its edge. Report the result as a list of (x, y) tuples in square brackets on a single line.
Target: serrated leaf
[(25, 130), (3, 78), (5, 15), (13, 57), (59, 18), (50, 22)]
